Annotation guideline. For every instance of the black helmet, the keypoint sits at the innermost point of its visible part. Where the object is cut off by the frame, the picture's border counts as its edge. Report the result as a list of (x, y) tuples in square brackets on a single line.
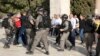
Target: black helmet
[(64, 16), (10, 14)]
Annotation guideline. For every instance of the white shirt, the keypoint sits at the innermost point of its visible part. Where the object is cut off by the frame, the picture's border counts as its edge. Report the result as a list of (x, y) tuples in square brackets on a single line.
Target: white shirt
[(56, 21), (77, 20), (73, 22)]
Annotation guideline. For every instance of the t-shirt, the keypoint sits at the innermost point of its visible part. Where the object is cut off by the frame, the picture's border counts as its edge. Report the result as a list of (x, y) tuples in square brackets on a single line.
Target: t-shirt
[(73, 22), (17, 22), (56, 21)]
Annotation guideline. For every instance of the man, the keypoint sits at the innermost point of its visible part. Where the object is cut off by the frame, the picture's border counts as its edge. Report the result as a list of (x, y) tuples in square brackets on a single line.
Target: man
[(56, 23), (81, 28), (66, 31), (42, 32), (89, 30), (98, 44), (17, 24), (7, 24), (30, 31), (73, 32), (97, 22), (20, 28)]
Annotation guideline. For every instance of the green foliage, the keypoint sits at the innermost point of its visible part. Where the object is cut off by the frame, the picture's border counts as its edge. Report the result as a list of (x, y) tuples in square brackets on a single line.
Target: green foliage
[(18, 5), (84, 7), (12, 5), (77, 6)]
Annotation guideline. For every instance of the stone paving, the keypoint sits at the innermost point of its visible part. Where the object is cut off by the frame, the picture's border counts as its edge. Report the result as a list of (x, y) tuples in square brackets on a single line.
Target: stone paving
[(20, 51)]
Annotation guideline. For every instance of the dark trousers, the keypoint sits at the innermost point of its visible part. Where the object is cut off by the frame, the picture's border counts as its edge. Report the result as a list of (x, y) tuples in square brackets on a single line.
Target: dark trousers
[(58, 37), (16, 36), (98, 48), (20, 33), (54, 31), (72, 37), (30, 38), (81, 33), (89, 39)]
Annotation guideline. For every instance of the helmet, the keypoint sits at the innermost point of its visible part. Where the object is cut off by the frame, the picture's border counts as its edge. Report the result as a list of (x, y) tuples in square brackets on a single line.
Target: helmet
[(64, 16)]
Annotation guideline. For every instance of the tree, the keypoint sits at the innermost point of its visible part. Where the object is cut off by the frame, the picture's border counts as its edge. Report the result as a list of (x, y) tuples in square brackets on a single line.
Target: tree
[(12, 5), (85, 7), (19, 5)]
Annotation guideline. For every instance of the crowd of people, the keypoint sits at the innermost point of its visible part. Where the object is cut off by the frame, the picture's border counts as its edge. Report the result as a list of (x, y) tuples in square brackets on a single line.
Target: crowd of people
[(34, 32)]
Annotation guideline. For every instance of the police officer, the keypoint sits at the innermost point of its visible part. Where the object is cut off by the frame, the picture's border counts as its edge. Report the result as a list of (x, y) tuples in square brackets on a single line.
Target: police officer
[(65, 33), (7, 24), (98, 44), (89, 30), (42, 32)]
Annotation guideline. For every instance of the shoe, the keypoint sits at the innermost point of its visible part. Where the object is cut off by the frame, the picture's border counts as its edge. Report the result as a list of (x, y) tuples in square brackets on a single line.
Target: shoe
[(70, 47), (90, 54), (47, 53), (39, 46), (29, 52), (60, 50), (15, 43), (6, 46)]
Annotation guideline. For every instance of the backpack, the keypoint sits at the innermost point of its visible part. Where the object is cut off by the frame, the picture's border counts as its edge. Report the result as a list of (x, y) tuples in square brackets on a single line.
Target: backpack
[(46, 22), (5, 23), (89, 26), (26, 22), (70, 26)]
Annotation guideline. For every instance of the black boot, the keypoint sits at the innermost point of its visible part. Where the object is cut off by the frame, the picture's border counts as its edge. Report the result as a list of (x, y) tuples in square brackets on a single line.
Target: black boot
[(70, 47), (90, 53), (60, 50), (47, 53), (29, 52), (6, 46)]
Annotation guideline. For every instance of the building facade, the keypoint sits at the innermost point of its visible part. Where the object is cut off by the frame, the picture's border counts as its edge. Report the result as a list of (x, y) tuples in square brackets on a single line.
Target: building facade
[(63, 7)]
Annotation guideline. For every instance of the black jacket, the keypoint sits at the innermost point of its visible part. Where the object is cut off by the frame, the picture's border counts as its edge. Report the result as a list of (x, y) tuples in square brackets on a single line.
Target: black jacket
[(81, 24), (89, 26), (98, 31), (26, 22)]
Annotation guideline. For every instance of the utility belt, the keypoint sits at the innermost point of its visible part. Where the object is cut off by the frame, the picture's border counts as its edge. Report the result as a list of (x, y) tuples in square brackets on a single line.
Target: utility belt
[(38, 29)]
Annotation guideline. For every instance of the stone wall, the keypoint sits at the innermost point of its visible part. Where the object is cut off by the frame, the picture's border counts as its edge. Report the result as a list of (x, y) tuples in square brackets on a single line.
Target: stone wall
[(59, 7), (97, 9)]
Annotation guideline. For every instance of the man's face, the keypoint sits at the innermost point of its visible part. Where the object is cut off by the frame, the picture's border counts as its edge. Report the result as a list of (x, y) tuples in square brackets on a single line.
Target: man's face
[(24, 13), (81, 17), (75, 16), (55, 16), (71, 16)]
